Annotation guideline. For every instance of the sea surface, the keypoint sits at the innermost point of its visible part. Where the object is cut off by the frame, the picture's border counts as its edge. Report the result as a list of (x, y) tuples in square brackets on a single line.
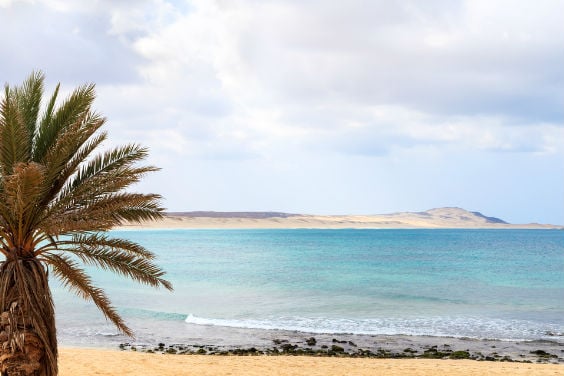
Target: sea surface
[(495, 284)]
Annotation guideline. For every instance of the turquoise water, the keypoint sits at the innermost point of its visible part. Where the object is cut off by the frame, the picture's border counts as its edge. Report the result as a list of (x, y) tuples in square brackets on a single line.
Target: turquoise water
[(505, 284)]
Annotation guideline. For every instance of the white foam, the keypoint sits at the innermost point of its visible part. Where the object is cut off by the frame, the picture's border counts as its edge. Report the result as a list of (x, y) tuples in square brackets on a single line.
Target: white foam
[(471, 327)]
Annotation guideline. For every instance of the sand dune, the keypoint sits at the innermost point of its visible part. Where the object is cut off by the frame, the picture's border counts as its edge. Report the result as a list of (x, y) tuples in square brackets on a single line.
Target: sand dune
[(434, 218)]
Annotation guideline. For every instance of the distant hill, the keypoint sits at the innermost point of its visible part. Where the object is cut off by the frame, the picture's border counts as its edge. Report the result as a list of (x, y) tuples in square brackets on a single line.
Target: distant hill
[(447, 214), (433, 218), (214, 214), (489, 219), (458, 214)]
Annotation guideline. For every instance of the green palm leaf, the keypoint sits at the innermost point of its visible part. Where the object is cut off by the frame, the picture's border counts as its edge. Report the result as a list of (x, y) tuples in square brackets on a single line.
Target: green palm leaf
[(58, 197), (77, 281), (14, 135)]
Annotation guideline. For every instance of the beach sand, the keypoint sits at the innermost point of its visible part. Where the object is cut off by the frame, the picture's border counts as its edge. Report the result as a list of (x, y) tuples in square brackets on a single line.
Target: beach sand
[(74, 361)]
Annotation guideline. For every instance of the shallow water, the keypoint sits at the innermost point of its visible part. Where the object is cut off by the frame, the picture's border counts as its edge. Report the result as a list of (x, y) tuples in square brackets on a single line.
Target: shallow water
[(504, 284)]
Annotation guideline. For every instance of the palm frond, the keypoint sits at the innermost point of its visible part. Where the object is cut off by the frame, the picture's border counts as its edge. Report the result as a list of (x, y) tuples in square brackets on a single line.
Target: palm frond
[(28, 98), (98, 240), (54, 123), (121, 207), (7, 218), (101, 214), (121, 262), (48, 114), (101, 185), (14, 135), (98, 194), (71, 149), (77, 281), (112, 160), (23, 190), (82, 154)]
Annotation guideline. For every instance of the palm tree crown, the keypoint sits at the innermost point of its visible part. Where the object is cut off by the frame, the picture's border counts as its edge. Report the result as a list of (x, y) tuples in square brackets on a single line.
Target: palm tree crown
[(59, 196)]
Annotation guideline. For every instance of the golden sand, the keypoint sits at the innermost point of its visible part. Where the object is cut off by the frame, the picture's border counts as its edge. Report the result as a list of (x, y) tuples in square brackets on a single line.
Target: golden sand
[(112, 362)]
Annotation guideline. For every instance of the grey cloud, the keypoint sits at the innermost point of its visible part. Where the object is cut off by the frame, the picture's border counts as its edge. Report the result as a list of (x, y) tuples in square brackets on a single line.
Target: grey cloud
[(70, 47), (375, 52)]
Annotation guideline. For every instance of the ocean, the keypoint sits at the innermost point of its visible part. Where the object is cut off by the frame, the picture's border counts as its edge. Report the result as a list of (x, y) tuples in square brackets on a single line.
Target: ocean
[(495, 284)]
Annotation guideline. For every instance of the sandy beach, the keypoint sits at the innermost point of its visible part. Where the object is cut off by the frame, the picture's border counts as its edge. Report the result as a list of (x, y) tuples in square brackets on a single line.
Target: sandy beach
[(111, 362)]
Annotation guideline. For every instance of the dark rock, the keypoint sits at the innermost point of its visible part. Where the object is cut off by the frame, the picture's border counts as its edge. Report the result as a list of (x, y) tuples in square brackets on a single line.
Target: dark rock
[(311, 341), (337, 349), (287, 347), (460, 355), (543, 354), (433, 353), (334, 340)]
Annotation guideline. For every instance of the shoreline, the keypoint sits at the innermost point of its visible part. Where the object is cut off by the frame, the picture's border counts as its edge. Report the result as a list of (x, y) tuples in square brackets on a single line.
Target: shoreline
[(214, 340), (375, 347)]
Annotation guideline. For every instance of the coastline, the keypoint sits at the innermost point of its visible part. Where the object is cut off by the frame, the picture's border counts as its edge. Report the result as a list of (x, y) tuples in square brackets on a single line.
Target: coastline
[(214, 340), (442, 218), (75, 361)]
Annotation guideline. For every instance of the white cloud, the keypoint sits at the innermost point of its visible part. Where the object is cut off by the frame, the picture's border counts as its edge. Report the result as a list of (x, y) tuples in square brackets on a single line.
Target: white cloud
[(295, 73), (278, 88)]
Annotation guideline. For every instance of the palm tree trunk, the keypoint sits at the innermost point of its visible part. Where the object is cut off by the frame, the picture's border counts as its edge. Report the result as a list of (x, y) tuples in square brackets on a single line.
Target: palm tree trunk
[(28, 344)]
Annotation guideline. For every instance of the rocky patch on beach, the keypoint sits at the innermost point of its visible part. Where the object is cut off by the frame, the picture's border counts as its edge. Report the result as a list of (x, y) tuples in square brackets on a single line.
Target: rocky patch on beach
[(379, 347)]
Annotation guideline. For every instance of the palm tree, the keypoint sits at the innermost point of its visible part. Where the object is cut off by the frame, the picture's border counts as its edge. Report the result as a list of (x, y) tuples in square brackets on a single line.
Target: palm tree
[(59, 196)]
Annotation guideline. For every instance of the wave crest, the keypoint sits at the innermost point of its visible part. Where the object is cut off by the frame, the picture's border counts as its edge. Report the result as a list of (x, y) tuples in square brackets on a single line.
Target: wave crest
[(471, 327)]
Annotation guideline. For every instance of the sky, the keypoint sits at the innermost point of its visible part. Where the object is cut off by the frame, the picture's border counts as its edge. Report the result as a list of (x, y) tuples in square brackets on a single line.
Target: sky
[(318, 106)]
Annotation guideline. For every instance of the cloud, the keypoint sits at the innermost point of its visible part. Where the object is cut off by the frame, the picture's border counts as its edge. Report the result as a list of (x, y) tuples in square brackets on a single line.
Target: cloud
[(75, 47), (257, 78), (387, 53), (302, 94), (297, 73)]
